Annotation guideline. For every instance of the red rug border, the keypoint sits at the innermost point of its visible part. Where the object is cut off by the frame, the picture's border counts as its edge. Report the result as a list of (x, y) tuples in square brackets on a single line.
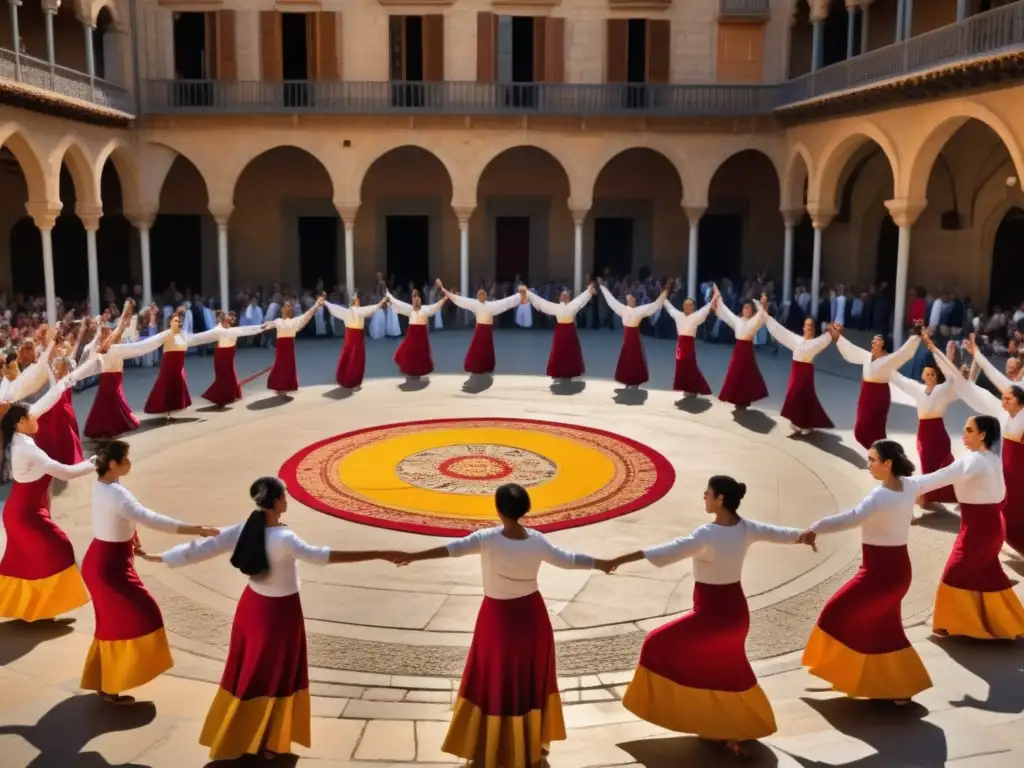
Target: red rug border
[(665, 478)]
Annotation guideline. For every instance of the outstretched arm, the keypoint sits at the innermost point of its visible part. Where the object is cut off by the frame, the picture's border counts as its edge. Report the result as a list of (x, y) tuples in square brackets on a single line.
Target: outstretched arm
[(895, 361), (783, 335), (851, 518), (399, 306), (851, 352), (650, 308), (998, 379), (338, 311), (542, 305), (614, 304), (471, 305), (202, 549), (581, 301), (563, 558), (977, 398), (139, 348), (503, 305)]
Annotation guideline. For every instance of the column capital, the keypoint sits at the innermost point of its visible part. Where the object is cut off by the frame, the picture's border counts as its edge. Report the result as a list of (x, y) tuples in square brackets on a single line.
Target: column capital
[(579, 215), (694, 212), (904, 212), (463, 213), (221, 213), (50, 6), (141, 220), (348, 211), (792, 216), (820, 217), (89, 215), (44, 214)]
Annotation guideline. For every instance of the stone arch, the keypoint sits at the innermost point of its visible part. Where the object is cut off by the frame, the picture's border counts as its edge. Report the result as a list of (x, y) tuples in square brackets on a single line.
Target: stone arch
[(225, 186), (683, 170), (352, 191), (15, 138), (796, 177), (924, 156), (118, 152), (824, 189), (579, 193), (90, 11), (80, 166)]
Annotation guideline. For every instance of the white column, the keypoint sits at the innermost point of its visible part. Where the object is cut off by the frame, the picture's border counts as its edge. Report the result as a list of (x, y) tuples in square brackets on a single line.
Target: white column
[(90, 54), (48, 14), (903, 214), (908, 19), (15, 37), (222, 262), (900, 19), (48, 281), (961, 10), (579, 216), (350, 259), (818, 45), (693, 215), (851, 29), (147, 267), (94, 270), (791, 218), (816, 274), (865, 23), (463, 213)]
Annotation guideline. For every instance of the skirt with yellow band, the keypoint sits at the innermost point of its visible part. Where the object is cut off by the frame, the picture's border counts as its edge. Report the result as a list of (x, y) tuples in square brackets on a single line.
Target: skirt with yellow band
[(694, 676), (508, 708), (263, 699), (975, 597), (38, 575), (859, 645), (129, 647)]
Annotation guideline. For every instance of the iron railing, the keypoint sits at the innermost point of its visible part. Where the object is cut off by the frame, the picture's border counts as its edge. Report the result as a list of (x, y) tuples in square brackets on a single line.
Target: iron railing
[(745, 8), (63, 81)]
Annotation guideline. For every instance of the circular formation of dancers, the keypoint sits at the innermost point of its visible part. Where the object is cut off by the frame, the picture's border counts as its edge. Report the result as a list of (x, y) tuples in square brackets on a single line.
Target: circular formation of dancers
[(693, 675)]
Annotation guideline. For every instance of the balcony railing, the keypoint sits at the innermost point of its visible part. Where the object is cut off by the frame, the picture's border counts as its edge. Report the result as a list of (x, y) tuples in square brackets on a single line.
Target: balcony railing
[(748, 9), (63, 82)]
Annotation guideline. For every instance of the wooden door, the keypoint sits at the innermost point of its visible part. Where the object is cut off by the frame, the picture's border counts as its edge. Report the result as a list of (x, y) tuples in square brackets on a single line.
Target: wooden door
[(740, 52), (271, 57)]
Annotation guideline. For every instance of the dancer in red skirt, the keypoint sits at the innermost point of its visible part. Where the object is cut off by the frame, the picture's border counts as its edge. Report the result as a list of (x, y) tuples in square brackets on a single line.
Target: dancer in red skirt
[(801, 407), (38, 575), (509, 710), (129, 646), (693, 675), (413, 356), (34, 376), (859, 644), (1009, 412), (877, 367), (565, 361), (480, 355), (170, 391), (631, 369), (688, 379), (283, 376), (225, 388), (743, 383), (262, 705), (58, 428), (352, 360)]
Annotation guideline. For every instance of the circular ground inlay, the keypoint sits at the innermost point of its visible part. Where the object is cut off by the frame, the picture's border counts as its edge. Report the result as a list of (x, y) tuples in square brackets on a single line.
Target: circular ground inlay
[(438, 477)]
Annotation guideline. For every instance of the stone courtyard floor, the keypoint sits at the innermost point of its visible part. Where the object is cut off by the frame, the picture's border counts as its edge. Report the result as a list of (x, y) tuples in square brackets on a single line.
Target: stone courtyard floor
[(386, 646)]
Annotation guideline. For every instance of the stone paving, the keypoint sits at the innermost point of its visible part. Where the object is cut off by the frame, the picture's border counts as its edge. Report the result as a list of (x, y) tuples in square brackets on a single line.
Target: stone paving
[(383, 680)]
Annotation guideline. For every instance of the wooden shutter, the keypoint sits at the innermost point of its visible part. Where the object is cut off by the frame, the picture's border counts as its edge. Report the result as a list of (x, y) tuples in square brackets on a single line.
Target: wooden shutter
[(540, 49), (554, 42), (326, 29), (396, 48), (740, 53), (659, 58), (270, 46), (486, 54), (618, 50), (227, 60), (433, 48), (210, 35)]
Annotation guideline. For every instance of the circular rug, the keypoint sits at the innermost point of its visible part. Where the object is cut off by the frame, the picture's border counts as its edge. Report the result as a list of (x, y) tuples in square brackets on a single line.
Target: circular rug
[(438, 477)]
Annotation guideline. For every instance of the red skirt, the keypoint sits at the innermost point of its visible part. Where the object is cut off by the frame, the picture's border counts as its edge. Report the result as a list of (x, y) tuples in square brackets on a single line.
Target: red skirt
[(283, 375), (802, 406), (352, 361), (872, 413), (1013, 507), (509, 677), (170, 392), (688, 377), (129, 644), (480, 355), (110, 414), (566, 358), (694, 676), (263, 699), (631, 369), (413, 356), (935, 452), (743, 383), (58, 432), (225, 388)]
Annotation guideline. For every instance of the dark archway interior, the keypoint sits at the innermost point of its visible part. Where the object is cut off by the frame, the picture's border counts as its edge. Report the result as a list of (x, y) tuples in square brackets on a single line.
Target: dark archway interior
[(1008, 260)]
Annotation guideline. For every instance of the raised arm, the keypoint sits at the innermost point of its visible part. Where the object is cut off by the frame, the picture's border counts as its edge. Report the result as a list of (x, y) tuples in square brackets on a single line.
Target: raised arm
[(305, 317), (725, 314), (895, 361), (998, 379), (51, 398), (851, 352), (851, 518), (338, 311), (431, 309), (399, 306), (977, 398), (204, 337), (651, 307), (472, 305), (543, 305), (783, 335), (614, 304), (908, 386), (139, 348), (365, 311), (563, 558), (202, 549), (580, 301), (503, 305)]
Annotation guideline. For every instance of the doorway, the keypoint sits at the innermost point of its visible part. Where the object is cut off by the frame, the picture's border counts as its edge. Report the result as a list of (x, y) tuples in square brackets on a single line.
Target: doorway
[(318, 251), (512, 248), (721, 238), (1007, 264), (176, 243), (613, 245), (295, 59), (888, 247), (803, 251), (407, 240), (27, 268)]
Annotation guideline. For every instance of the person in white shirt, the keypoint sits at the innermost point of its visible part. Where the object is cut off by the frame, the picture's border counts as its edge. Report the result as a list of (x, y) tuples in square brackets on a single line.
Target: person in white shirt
[(263, 704), (859, 645), (688, 378), (170, 391), (352, 361), (225, 388), (58, 434), (801, 406), (38, 576), (510, 674), (694, 675), (129, 646), (631, 368), (743, 383), (565, 361), (413, 356), (284, 377), (480, 355)]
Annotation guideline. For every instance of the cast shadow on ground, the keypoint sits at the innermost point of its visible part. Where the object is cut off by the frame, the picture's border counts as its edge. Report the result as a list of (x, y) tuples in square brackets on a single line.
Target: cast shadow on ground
[(339, 393), (898, 736), (676, 751), (943, 520), (565, 387), (19, 638), (627, 396), (694, 405), (833, 444), (755, 421), (65, 730), (1015, 564), (414, 384), (477, 383), (274, 401), (251, 761), (157, 422), (213, 409), (999, 663)]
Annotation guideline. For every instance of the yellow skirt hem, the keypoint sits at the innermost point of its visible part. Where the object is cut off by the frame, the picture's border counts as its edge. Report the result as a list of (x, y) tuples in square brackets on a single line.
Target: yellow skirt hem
[(236, 727), (41, 599), (496, 741), (892, 676), (979, 615), (115, 666)]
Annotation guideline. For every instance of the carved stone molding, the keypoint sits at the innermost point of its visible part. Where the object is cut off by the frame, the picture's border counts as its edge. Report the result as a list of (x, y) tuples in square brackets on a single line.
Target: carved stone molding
[(526, 3), (417, 3), (639, 5)]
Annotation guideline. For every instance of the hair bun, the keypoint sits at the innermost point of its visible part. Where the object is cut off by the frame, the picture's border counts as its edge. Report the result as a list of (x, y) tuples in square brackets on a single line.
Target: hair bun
[(741, 490)]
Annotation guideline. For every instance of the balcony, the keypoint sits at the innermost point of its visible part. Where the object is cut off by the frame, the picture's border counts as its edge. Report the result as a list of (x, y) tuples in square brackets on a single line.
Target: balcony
[(744, 9), (34, 78)]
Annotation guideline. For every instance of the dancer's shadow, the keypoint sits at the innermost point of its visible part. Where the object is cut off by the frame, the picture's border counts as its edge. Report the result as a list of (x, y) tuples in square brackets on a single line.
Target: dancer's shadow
[(676, 751), (943, 520), (755, 421), (62, 733), (694, 405), (19, 638), (251, 761), (627, 396), (477, 383), (567, 387), (274, 401), (339, 393), (414, 384), (157, 422), (833, 444), (213, 409), (999, 664)]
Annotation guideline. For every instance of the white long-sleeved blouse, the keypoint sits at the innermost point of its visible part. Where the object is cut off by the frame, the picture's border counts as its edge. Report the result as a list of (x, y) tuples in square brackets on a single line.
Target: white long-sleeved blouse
[(884, 516), (877, 371), (930, 405), (284, 551), (804, 350), (563, 312), (510, 566), (416, 316), (743, 328), (982, 401), (977, 478), (288, 328), (718, 551), (999, 379), (352, 317), (631, 316), (687, 324), (225, 337), (116, 512), (32, 379), (112, 361), (486, 311), (29, 462)]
